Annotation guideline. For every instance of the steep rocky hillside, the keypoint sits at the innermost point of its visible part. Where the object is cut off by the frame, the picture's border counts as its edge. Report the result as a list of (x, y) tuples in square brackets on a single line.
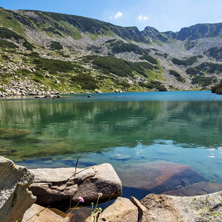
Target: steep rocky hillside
[(42, 52)]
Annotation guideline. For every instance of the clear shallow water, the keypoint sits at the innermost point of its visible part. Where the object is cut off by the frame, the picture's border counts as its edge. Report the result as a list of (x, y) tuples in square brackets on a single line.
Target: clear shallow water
[(127, 130)]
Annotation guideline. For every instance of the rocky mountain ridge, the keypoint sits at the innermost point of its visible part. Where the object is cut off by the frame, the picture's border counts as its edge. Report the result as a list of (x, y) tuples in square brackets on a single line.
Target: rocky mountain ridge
[(67, 53)]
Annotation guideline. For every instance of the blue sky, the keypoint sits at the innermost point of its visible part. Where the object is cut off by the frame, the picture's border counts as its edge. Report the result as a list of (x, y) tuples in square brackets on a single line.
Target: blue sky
[(164, 15)]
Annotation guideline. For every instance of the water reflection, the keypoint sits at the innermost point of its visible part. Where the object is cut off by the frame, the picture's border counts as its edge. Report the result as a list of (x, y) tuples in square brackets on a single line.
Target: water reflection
[(69, 126)]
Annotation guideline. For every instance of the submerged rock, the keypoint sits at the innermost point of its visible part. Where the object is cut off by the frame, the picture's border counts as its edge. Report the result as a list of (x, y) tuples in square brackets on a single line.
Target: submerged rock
[(63, 184), (196, 189), (79, 214), (15, 199), (13, 133), (157, 177)]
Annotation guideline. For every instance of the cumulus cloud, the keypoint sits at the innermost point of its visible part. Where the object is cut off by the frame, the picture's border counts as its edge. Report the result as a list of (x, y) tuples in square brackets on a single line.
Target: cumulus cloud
[(117, 15), (143, 17)]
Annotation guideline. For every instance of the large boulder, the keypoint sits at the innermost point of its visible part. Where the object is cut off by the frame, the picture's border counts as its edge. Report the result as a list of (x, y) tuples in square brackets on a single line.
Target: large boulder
[(15, 199), (183, 209), (65, 184)]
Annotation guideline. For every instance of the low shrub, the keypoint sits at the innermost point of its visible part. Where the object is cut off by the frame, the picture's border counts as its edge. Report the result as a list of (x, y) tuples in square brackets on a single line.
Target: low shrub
[(185, 62), (86, 81), (53, 66), (153, 85), (9, 34), (120, 46), (110, 64), (217, 88), (150, 59), (206, 67), (177, 75), (6, 44), (55, 46), (215, 52), (203, 81), (190, 44), (24, 72), (156, 85)]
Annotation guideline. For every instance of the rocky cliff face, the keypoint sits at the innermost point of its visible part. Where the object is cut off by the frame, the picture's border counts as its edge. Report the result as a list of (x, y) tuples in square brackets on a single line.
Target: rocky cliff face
[(68, 53)]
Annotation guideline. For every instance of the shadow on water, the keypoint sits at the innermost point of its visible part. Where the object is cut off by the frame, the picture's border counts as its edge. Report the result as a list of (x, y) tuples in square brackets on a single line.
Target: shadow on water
[(135, 192)]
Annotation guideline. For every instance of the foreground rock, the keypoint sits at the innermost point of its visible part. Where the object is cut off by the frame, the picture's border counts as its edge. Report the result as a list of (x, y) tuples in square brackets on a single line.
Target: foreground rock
[(15, 199), (183, 209), (40, 214), (159, 208), (122, 210), (63, 184)]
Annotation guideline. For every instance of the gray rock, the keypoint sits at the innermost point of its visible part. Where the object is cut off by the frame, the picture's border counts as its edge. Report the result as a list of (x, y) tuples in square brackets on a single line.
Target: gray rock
[(105, 181), (40, 214), (63, 184), (183, 209), (122, 210), (15, 199), (141, 209), (165, 208)]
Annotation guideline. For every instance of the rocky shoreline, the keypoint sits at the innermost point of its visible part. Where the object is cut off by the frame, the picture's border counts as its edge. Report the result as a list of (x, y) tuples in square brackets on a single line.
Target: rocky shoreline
[(92, 184), (25, 87), (28, 87)]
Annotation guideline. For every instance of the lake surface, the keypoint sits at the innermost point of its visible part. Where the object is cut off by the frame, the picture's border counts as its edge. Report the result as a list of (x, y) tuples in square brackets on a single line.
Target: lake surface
[(137, 133)]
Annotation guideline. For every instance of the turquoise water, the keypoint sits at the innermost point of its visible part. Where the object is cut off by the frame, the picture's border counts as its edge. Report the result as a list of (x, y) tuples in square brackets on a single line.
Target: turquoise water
[(127, 130)]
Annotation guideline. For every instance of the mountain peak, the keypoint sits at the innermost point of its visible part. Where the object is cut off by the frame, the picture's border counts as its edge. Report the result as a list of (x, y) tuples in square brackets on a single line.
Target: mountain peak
[(200, 31)]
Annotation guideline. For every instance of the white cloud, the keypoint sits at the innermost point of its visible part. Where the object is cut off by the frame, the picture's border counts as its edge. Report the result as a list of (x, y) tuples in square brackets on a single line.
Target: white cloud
[(118, 15), (143, 18)]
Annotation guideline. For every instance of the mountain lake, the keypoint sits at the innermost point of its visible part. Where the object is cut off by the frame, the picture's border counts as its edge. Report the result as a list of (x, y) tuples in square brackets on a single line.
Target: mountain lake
[(150, 138)]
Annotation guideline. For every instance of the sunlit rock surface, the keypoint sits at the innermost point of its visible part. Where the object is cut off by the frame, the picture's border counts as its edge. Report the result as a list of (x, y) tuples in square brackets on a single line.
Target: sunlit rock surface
[(63, 184), (15, 199)]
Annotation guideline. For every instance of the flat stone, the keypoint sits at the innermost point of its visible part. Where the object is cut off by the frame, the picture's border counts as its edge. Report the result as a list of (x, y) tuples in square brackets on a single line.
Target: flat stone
[(40, 214), (49, 175), (63, 184)]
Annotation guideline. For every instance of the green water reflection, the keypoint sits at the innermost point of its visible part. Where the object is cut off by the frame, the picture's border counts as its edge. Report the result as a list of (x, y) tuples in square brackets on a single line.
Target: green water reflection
[(41, 128)]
